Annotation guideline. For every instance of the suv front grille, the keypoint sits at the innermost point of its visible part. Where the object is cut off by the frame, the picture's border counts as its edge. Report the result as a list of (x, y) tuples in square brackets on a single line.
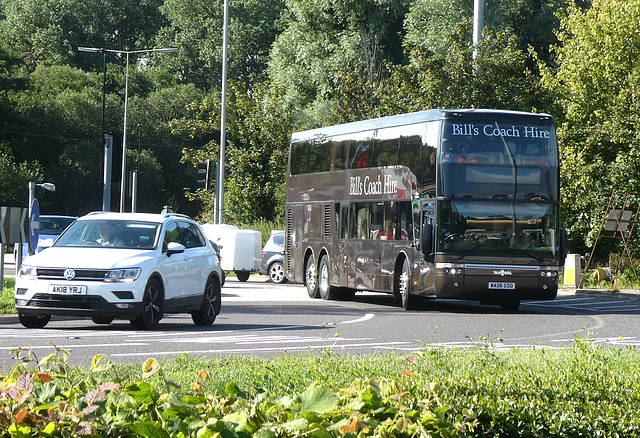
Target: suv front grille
[(66, 302), (81, 274)]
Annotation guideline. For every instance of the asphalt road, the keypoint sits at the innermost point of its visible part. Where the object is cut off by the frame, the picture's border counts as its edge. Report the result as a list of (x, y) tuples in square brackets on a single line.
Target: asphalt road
[(263, 319)]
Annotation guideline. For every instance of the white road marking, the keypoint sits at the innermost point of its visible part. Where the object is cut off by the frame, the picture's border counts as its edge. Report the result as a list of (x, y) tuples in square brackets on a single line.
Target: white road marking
[(334, 346), (366, 317)]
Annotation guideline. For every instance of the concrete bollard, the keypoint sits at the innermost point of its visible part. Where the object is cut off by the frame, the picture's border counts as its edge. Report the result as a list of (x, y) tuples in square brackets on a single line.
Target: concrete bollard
[(572, 270)]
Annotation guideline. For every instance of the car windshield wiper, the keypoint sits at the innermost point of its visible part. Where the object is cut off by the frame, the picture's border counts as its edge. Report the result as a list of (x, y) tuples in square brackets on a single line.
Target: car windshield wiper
[(530, 254), (469, 251)]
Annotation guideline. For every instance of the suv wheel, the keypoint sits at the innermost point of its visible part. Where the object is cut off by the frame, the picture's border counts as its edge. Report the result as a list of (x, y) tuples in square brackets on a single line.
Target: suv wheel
[(152, 307), (102, 319), (276, 272), (34, 321), (211, 302)]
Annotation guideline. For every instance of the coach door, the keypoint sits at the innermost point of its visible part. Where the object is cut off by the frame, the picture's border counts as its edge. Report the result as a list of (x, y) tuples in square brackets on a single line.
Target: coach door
[(342, 259)]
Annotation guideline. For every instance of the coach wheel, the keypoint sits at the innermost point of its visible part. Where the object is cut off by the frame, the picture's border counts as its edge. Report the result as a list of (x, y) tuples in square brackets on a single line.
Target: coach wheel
[(510, 305), (327, 292), (401, 293), (310, 278)]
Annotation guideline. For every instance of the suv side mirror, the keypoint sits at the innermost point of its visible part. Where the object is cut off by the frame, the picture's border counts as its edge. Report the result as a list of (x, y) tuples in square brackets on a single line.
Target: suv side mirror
[(174, 248)]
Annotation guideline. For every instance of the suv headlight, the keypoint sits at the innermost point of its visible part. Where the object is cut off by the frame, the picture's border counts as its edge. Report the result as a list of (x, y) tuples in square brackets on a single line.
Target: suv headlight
[(126, 275), (28, 272)]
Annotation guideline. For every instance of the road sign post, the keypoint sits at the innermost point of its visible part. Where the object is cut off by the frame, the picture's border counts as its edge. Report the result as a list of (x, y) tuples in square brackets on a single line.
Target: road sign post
[(34, 226)]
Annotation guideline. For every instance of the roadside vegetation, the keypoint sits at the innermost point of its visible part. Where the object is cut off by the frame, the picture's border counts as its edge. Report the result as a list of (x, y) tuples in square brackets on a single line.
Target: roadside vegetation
[(356, 59), (7, 302), (585, 390)]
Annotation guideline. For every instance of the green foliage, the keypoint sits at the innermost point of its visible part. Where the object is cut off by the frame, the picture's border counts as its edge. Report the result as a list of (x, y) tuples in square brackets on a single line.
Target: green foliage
[(256, 154), (585, 390), (51, 403), (15, 178), (598, 101), (321, 39), (7, 301)]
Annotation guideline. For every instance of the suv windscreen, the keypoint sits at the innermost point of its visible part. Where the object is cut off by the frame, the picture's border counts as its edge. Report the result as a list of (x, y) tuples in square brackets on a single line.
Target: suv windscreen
[(110, 233)]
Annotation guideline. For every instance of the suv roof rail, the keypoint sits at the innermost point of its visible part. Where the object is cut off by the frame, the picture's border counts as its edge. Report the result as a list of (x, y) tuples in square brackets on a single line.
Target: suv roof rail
[(97, 212), (184, 216)]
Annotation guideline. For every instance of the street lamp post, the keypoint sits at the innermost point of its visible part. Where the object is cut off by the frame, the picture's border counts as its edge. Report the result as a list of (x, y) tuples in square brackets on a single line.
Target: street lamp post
[(219, 205), (123, 179), (106, 184)]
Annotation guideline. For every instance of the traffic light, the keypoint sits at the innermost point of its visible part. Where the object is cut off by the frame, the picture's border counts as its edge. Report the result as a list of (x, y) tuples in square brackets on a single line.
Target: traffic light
[(203, 174)]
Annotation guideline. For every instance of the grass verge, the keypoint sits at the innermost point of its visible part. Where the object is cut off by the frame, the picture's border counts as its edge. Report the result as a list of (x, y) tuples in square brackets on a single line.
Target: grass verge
[(7, 303), (581, 391)]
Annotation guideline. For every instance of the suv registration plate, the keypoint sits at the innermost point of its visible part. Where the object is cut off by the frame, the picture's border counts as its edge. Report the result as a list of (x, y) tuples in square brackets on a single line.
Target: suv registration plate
[(67, 289), (501, 285)]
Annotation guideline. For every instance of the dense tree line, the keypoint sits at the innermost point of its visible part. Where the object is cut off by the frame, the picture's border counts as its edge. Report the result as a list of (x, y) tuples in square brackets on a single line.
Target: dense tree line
[(297, 64)]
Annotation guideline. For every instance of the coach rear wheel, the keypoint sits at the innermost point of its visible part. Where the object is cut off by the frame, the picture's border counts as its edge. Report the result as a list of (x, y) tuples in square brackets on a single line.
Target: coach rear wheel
[(327, 292), (310, 278)]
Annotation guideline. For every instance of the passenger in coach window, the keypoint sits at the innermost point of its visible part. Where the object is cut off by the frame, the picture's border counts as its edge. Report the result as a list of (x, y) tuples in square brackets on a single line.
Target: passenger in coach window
[(387, 233), (464, 156)]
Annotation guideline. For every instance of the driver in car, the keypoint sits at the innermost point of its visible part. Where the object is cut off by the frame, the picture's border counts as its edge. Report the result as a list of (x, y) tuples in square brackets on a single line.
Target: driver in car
[(107, 237)]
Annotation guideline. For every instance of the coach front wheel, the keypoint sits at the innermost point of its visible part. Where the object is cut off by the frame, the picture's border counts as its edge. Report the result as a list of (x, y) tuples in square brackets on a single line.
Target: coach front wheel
[(402, 279)]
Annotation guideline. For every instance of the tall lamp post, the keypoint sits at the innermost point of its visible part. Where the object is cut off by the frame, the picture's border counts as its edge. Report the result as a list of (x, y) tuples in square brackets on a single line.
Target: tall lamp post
[(106, 189), (218, 211), (123, 178)]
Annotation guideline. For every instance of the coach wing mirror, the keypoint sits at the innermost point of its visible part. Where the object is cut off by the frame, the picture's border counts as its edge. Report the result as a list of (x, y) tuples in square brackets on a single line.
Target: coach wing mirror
[(564, 244), (427, 242)]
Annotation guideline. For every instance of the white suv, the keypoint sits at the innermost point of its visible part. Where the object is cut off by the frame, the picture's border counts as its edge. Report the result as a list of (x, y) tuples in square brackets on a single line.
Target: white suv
[(131, 266)]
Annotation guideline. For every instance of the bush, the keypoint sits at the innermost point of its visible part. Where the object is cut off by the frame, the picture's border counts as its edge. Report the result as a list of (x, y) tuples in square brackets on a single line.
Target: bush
[(7, 302), (581, 391)]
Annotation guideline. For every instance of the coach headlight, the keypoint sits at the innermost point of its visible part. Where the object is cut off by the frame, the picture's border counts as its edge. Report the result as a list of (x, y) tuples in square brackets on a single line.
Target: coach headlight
[(549, 274)]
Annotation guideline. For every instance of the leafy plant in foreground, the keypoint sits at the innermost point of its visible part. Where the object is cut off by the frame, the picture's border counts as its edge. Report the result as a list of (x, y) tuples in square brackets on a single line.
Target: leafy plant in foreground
[(37, 403)]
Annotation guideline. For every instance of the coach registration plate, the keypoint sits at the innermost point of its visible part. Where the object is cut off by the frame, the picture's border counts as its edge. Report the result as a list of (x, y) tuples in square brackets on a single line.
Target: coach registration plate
[(501, 285), (67, 289)]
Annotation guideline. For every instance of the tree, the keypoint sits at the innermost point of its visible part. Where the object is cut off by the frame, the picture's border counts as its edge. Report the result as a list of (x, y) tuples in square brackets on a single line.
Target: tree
[(323, 39), (258, 134), (196, 26), (597, 85), (14, 180), (48, 32), (440, 71)]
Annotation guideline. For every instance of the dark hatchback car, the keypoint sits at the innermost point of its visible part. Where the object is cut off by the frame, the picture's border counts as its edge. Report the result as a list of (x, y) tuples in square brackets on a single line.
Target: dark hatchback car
[(273, 257)]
